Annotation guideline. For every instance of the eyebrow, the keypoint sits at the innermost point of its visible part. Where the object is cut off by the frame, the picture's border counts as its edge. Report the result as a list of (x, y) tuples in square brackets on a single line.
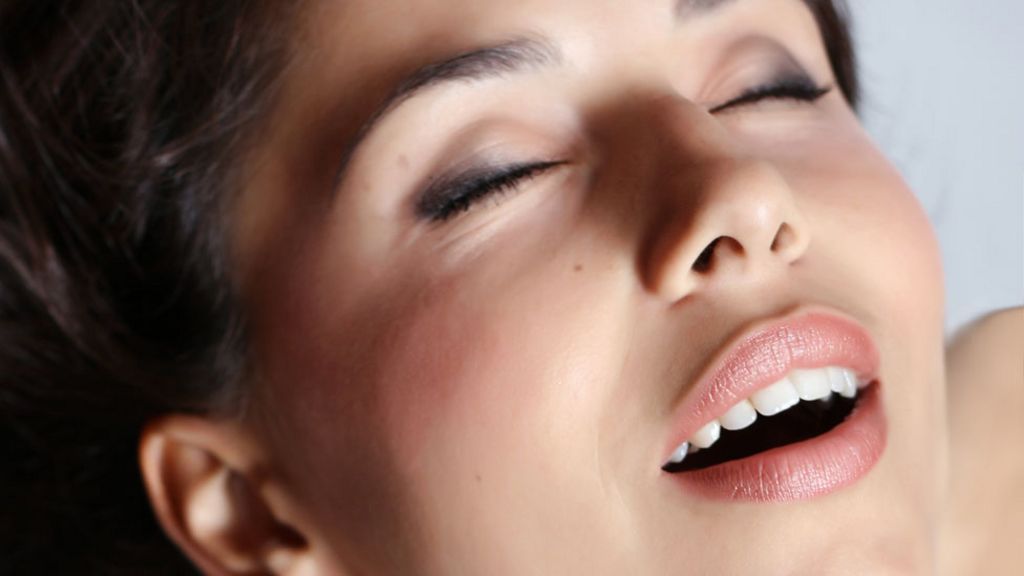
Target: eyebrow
[(492, 61), (686, 9)]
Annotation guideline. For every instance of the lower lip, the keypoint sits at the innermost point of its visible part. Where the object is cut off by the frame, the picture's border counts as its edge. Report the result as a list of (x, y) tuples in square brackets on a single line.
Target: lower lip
[(803, 470)]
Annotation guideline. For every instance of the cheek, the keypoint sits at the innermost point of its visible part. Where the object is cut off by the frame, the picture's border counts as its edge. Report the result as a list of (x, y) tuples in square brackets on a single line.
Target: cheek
[(490, 353), (447, 368), (887, 237), (869, 231), (491, 414), (472, 374), (882, 258), (884, 235), (441, 409)]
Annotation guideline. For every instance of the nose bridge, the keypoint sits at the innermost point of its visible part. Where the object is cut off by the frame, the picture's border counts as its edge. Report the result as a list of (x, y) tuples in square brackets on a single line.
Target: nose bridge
[(718, 214), (686, 133)]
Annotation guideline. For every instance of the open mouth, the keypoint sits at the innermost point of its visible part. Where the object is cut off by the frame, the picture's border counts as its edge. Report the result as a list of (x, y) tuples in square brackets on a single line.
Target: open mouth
[(804, 405), (791, 410)]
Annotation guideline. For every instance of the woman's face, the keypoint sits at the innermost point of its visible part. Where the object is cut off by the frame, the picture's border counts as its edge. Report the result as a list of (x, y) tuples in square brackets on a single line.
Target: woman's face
[(494, 252)]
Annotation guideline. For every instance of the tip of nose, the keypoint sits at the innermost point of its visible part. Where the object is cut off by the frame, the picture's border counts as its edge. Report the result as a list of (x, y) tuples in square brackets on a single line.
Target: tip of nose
[(744, 225), (786, 246)]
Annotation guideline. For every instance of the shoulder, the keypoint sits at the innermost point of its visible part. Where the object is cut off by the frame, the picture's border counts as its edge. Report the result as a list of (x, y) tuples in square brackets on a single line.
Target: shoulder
[(989, 354), (985, 385), (985, 380), (1002, 323)]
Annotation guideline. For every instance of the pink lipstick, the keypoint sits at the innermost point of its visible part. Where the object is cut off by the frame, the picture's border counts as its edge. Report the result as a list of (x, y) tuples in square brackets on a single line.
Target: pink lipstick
[(773, 368)]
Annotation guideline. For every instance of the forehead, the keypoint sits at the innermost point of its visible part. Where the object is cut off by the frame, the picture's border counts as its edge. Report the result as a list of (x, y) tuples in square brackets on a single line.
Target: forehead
[(381, 27), (362, 49), (371, 44)]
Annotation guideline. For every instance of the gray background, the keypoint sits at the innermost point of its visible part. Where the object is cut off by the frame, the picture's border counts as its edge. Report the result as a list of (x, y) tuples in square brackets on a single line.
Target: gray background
[(943, 82)]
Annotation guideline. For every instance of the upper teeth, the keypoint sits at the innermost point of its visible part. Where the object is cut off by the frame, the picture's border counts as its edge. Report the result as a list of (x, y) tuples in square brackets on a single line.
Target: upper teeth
[(816, 384)]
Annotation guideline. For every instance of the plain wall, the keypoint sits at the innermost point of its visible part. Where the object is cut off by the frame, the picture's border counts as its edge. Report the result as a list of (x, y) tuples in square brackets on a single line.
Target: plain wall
[(944, 97)]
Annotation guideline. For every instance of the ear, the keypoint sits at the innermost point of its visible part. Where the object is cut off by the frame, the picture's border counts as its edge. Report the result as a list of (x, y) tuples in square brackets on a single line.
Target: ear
[(208, 483)]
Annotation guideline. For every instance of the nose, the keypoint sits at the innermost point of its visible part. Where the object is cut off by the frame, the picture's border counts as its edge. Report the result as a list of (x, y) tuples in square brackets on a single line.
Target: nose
[(724, 217)]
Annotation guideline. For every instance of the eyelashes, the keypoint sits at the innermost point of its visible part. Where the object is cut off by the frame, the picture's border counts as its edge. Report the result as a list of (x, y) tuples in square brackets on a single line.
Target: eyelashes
[(797, 86), (448, 197)]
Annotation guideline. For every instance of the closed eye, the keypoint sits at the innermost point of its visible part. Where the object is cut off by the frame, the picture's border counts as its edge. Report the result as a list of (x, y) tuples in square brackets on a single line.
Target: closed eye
[(797, 87), (450, 197)]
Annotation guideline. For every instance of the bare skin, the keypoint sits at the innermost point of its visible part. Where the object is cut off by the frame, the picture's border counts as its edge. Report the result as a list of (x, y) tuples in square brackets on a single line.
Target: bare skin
[(985, 521), (491, 392)]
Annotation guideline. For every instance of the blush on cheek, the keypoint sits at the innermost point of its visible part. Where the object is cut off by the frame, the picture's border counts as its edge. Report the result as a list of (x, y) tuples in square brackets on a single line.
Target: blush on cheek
[(895, 245), (916, 291), (910, 297), (480, 369), (447, 368), (425, 368)]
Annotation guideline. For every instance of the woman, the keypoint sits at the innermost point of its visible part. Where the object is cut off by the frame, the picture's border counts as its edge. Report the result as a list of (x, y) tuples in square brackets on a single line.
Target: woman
[(460, 288)]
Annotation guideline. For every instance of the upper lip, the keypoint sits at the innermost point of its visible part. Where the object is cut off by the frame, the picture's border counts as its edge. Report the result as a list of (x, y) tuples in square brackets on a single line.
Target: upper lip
[(765, 353)]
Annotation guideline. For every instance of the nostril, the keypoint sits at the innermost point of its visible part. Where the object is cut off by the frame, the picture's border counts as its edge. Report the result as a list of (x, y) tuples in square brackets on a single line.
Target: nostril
[(789, 243), (703, 262), (784, 236)]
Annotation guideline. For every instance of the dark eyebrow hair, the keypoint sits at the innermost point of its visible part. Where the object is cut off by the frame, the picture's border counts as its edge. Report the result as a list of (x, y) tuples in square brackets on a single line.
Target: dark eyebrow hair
[(692, 8), (506, 58)]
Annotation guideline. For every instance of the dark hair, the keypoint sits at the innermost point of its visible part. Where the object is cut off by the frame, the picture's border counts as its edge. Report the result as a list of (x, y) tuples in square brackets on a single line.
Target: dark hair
[(121, 125), (834, 23)]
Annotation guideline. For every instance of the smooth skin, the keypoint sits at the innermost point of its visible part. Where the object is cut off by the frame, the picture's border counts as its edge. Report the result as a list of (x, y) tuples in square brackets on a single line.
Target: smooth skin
[(491, 393), (985, 516)]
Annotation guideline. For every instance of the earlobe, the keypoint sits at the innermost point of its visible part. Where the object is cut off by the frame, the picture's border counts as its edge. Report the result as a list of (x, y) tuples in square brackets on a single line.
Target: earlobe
[(205, 482)]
